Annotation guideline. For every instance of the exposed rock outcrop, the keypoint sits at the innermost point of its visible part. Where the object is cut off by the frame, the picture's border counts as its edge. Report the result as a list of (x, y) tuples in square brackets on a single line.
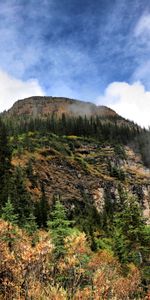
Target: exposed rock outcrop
[(85, 177), (44, 106)]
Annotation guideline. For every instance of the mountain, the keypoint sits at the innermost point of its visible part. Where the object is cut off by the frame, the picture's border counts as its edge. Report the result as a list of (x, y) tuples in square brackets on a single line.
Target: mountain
[(74, 202), (67, 160), (44, 106)]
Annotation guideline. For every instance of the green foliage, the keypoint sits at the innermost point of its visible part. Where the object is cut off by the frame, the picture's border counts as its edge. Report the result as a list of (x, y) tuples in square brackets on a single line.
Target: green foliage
[(60, 147), (8, 213), (130, 234), (108, 129), (123, 228), (20, 197), (82, 162), (143, 141), (120, 151), (42, 209), (104, 243), (5, 162), (30, 173), (116, 171), (5, 151), (59, 227), (31, 225), (31, 228), (121, 244)]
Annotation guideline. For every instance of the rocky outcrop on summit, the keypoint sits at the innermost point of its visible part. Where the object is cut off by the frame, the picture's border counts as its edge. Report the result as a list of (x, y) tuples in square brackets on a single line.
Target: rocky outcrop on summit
[(38, 106)]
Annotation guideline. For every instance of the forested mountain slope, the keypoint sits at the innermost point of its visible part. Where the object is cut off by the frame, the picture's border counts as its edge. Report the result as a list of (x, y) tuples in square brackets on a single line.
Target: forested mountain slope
[(95, 167)]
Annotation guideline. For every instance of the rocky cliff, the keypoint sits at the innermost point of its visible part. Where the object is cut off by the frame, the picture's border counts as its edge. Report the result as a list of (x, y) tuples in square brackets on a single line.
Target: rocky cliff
[(82, 172), (44, 106)]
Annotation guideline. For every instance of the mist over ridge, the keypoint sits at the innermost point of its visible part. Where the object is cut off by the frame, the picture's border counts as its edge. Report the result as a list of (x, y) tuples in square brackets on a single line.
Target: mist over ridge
[(43, 106)]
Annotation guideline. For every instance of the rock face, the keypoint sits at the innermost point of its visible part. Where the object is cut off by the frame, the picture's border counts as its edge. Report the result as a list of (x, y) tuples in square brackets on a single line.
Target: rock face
[(83, 178), (44, 106)]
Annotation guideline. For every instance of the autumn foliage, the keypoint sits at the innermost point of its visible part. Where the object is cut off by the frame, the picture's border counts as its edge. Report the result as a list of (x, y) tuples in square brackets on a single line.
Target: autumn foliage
[(32, 272)]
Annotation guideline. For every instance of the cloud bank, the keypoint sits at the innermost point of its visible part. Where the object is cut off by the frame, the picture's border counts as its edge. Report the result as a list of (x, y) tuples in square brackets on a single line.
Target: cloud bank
[(131, 101), (12, 89)]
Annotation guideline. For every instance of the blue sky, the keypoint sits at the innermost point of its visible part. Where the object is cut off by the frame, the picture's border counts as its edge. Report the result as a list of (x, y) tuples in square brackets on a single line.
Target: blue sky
[(95, 50)]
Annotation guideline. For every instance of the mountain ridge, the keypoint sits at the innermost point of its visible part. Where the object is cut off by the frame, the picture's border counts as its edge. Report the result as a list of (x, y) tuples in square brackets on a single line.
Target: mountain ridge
[(46, 105)]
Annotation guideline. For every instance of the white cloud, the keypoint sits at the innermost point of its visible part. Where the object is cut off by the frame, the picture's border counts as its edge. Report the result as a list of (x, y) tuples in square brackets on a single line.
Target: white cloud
[(12, 89), (142, 73), (142, 50), (131, 101), (143, 25)]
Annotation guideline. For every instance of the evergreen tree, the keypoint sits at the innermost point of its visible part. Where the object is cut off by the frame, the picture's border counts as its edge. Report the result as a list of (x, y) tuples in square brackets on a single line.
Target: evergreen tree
[(5, 153), (30, 173), (20, 197), (8, 213), (59, 228), (30, 225), (42, 209), (31, 228), (5, 161), (130, 234)]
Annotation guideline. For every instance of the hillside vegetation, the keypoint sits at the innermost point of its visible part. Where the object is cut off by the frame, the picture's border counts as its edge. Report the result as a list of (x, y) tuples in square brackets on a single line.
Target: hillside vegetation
[(74, 207)]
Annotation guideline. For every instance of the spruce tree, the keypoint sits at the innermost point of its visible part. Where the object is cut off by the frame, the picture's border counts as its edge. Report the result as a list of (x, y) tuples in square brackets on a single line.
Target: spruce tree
[(31, 228), (5, 153), (42, 209), (20, 197), (30, 225), (59, 228), (5, 162), (130, 234), (8, 214)]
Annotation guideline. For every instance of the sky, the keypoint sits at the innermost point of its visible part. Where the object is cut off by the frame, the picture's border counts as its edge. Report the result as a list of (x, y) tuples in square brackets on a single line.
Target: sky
[(97, 51)]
